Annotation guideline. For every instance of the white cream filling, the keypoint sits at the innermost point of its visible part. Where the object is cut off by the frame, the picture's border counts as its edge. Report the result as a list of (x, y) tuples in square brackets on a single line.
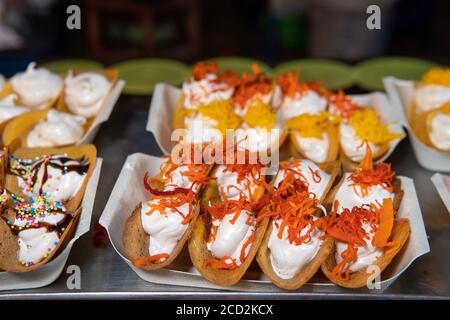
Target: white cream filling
[(200, 129), (440, 131), (36, 87), (366, 255), (228, 185), (305, 174), (354, 147), (348, 198), (57, 129), (9, 110), (230, 238), (86, 92), (59, 186), (429, 97), (205, 91), (257, 139), (288, 258), (36, 244), (164, 230), (178, 180), (310, 103), (313, 148)]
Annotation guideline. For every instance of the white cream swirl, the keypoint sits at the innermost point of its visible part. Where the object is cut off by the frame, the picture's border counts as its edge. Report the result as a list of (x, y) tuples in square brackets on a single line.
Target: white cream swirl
[(309, 102), (440, 131), (429, 97), (313, 148), (36, 87), (57, 129), (352, 145), (9, 110), (85, 93)]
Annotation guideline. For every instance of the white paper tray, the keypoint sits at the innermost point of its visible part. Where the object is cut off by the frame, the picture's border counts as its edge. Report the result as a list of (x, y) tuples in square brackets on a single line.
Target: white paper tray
[(442, 188), (401, 93), (103, 116), (51, 271), (122, 202)]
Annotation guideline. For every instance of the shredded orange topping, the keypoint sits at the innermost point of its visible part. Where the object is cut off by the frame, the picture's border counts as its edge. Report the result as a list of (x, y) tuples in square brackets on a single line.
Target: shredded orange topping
[(250, 86), (162, 203), (220, 209), (151, 259), (292, 87), (344, 106), (226, 263), (368, 175), (348, 227), (202, 68)]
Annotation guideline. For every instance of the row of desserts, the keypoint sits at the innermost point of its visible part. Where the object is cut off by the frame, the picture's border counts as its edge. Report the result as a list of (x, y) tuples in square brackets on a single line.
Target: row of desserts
[(304, 219), (316, 122), (77, 96)]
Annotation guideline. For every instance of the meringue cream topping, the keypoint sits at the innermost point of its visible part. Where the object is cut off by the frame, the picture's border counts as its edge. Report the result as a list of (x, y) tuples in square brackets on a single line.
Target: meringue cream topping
[(85, 93), (440, 131), (230, 188), (350, 195), (309, 102), (36, 87), (353, 146), (9, 110), (430, 97), (57, 129), (164, 229), (315, 149)]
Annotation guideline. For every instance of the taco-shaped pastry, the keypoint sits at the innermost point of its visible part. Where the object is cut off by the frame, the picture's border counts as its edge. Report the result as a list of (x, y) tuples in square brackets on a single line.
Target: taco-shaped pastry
[(299, 98), (37, 88), (41, 197), (9, 109), (157, 230), (44, 129), (85, 93), (261, 130), (438, 127), (314, 136), (363, 223), (294, 246), (226, 237), (361, 130)]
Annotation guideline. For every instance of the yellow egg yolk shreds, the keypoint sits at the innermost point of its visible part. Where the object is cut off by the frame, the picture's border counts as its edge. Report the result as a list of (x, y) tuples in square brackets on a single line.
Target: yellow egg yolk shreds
[(437, 76), (368, 127), (311, 125), (260, 115)]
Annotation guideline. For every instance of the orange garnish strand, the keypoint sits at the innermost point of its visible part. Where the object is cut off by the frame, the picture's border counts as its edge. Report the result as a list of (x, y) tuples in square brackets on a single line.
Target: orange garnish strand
[(151, 259), (345, 106), (221, 209), (201, 69), (315, 175), (248, 242), (369, 175), (291, 86), (348, 256), (251, 85), (173, 202), (220, 263), (386, 223)]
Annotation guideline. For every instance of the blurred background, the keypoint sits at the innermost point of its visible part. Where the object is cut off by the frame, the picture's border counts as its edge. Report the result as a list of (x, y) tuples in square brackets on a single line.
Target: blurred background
[(272, 31)]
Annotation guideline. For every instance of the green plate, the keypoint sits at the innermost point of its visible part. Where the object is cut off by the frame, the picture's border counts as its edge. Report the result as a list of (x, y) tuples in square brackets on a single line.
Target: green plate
[(334, 74), (239, 64), (62, 66), (141, 75), (369, 74)]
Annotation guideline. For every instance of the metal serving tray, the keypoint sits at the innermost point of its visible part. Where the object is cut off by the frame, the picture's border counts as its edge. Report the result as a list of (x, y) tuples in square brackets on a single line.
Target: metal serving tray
[(105, 275)]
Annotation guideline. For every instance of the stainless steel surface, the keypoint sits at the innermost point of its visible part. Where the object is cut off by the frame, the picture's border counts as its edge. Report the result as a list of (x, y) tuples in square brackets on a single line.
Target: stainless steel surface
[(105, 275)]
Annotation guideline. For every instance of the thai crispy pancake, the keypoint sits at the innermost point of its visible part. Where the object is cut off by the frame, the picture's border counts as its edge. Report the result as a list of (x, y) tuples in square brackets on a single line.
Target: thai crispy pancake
[(350, 165), (309, 270), (9, 246), (333, 149), (400, 234), (136, 240), (197, 244), (87, 151)]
